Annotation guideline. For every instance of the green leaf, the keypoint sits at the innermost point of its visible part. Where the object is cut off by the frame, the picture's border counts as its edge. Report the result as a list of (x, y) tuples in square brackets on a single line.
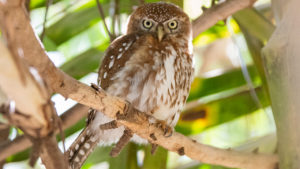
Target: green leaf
[(229, 80), (83, 64), (78, 21), (157, 161), (127, 158), (49, 44), (206, 166), (40, 3), (255, 46), (216, 32), (72, 24), (202, 116), (19, 156), (100, 154), (256, 24)]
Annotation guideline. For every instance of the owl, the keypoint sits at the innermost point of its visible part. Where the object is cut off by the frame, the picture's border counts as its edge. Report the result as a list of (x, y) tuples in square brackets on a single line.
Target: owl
[(150, 66)]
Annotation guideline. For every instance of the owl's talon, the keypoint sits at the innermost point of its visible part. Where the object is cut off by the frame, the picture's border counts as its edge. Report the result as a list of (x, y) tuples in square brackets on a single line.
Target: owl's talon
[(110, 125), (168, 131), (153, 148), (95, 87), (124, 140)]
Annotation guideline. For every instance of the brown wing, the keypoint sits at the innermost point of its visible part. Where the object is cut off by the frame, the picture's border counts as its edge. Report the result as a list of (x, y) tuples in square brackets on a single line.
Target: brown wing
[(116, 56)]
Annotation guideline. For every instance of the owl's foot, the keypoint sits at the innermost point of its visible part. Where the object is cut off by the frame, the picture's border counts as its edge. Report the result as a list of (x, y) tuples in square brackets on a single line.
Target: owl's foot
[(168, 131), (124, 140), (110, 125), (95, 87), (153, 148)]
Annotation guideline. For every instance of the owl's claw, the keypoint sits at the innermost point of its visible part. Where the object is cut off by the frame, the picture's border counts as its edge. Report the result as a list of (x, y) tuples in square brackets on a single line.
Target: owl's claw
[(168, 131), (110, 125), (124, 140), (95, 87), (153, 148)]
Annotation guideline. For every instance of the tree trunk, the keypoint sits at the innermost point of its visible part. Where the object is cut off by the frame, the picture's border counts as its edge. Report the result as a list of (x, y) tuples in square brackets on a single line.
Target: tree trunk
[(282, 65)]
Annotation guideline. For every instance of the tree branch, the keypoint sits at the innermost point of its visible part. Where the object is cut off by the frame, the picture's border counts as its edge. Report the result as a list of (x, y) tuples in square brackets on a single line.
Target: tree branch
[(36, 119), (281, 62), (117, 108), (217, 13), (69, 118), (28, 94), (4, 133)]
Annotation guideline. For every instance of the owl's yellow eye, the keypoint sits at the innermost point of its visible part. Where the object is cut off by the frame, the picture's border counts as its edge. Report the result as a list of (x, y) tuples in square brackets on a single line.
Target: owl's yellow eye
[(147, 24), (172, 24)]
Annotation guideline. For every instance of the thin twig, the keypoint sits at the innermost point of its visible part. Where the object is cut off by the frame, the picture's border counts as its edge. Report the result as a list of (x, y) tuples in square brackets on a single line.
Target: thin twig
[(116, 17), (48, 3), (101, 12), (59, 12)]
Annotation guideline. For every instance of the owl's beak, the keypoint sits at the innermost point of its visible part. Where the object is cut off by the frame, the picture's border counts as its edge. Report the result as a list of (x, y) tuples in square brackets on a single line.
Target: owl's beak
[(160, 33)]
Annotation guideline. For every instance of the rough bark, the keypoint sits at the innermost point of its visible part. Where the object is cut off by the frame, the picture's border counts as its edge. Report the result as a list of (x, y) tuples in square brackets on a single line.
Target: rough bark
[(282, 60), (28, 94), (36, 115)]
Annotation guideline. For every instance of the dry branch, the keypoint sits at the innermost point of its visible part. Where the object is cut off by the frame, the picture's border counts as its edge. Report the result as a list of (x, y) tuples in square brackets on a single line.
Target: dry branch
[(217, 13), (69, 118), (29, 96), (4, 132), (115, 107), (28, 92)]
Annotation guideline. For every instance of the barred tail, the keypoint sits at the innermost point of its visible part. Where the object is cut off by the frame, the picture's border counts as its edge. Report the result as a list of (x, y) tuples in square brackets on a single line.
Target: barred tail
[(82, 147)]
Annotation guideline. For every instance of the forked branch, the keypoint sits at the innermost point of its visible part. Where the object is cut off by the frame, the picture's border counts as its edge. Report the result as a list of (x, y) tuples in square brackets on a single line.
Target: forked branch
[(36, 117)]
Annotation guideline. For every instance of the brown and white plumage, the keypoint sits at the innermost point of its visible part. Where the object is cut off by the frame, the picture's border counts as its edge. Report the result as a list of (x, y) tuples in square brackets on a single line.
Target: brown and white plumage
[(150, 66)]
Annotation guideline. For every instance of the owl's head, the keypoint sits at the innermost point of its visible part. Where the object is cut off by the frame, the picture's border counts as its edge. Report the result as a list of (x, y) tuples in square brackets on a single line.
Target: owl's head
[(160, 19)]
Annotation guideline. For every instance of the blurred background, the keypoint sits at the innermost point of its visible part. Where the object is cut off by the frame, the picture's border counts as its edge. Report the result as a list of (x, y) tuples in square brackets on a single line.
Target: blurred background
[(228, 106)]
